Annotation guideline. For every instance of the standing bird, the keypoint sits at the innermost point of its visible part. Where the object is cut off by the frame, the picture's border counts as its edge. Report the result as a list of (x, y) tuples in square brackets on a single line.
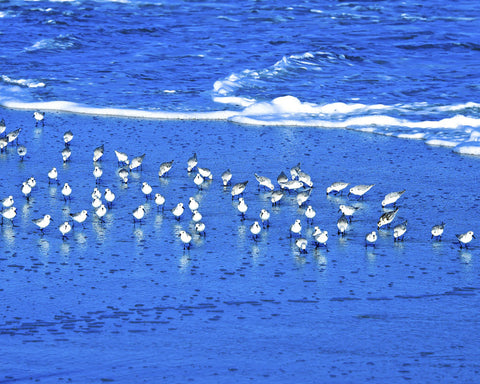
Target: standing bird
[(242, 206), (226, 177), (301, 244), (146, 189), (342, 225), (200, 228), (192, 162), (238, 188), (26, 190), (3, 126), (67, 138), (337, 187), (79, 217), (198, 180), (65, 228), (264, 182), (303, 196), (7, 202), (386, 218), (98, 153), (43, 222), (265, 217), (109, 196), (101, 211), (52, 175), (399, 231), (321, 238), (159, 200), (196, 216), (360, 190), (9, 213), (122, 158), (178, 211), (465, 238), (164, 168), (296, 228), (276, 196), (66, 191), (39, 117), (437, 231), (136, 162), (22, 151), (310, 213), (370, 239), (255, 229), (205, 173), (392, 198), (138, 213), (123, 174), (66, 153), (97, 172), (347, 210), (12, 136), (193, 204), (186, 239)]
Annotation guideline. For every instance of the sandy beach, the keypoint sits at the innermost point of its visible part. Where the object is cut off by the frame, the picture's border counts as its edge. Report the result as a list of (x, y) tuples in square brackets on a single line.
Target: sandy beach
[(125, 302)]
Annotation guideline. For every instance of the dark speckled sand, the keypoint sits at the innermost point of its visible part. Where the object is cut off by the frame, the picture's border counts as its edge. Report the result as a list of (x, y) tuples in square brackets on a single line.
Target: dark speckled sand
[(126, 303)]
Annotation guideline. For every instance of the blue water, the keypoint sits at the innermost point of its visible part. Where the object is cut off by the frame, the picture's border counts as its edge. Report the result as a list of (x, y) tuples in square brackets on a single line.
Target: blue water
[(256, 87), (401, 68)]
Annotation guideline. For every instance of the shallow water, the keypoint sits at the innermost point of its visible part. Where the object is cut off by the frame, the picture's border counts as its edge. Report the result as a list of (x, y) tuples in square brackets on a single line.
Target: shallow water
[(125, 302)]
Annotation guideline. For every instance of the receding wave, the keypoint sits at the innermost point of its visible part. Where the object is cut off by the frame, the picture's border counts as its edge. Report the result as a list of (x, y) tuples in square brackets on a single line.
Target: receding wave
[(23, 82)]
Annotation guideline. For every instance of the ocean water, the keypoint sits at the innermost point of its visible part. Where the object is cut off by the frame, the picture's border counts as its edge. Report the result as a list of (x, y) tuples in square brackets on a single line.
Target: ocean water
[(382, 93)]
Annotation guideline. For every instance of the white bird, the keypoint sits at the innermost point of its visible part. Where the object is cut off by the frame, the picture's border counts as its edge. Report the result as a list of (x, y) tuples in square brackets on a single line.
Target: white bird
[(186, 238), (43, 222), (164, 168), (337, 186), (96, 202), (316, 231), (101, 211), (21, 151), (138, 213), (67, 137), (399, 231), (66, 153), (122, 157), (32, 182), (3, 126), (136, 162), (109, 196), (66, 191), (292, 185), (200, 228), (146, 189), (98, 153), (296, 228), (193, 204), (9, 213), (265, 217), (3, 143), (52, 175), (282, 178), (386, 218), (276, 196), (97, 172), (192, 162), (196, 216), (321, 238), (305, 179), (301, 244), (238, 188), (205, 173), (294, 171), (96, 193), (310, 213), (360, 190), (255, 229), (371, 238), (12, 136), (303, 196), (65, 228), (242, 206), (264, 182), (159, 200), (392, 197), (465, 238), (7, 202), (123, 174), (198, 180), (226, 177), (437, 231), (39, 117), (26, 190), (79, 217), (342, 225), (347, 210), (178, 211)]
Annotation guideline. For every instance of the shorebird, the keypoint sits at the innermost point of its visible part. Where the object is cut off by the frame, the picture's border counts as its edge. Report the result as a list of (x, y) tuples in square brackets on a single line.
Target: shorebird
[(3, 143), (264, 181), (296, 228), (9, 213), (186, 239), (265, 217), (305, 179), (321, 239), (101, 211), (66, 191), (96, 193), (386, 218), (242, 206), (301, 244), (178, 211), (198, 180), (192, 162), (7, 202), (205, 173), (22, 151), (164, 168), (66, 153), (3, 126), (294, 171), (138, 213), (255, 229), (200, 228), (123, 174), (342, 225), (67, 137), (52, 175), (337, 187), (392, 198), (437, 231), (97, 172), (276, 196), (39, 117), (282, 179), (26, 190), (226, 177), (347, 210), (465, 238), (98, 153), (238, 188), (370, 238), (196, 216), (32, 182), (360, 190), (43, 222), (159, 200), (122, 157), (109, 196), (193, 204), (136, 162), (79, 217), (65, 228), (292, 185), (399, 231), (303, 196), (12, 136), (96, 202), (310, 213), (146, 189)]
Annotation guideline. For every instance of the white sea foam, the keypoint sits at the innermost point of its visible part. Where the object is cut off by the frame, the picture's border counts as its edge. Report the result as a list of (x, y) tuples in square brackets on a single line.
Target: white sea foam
[(23, 82)]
